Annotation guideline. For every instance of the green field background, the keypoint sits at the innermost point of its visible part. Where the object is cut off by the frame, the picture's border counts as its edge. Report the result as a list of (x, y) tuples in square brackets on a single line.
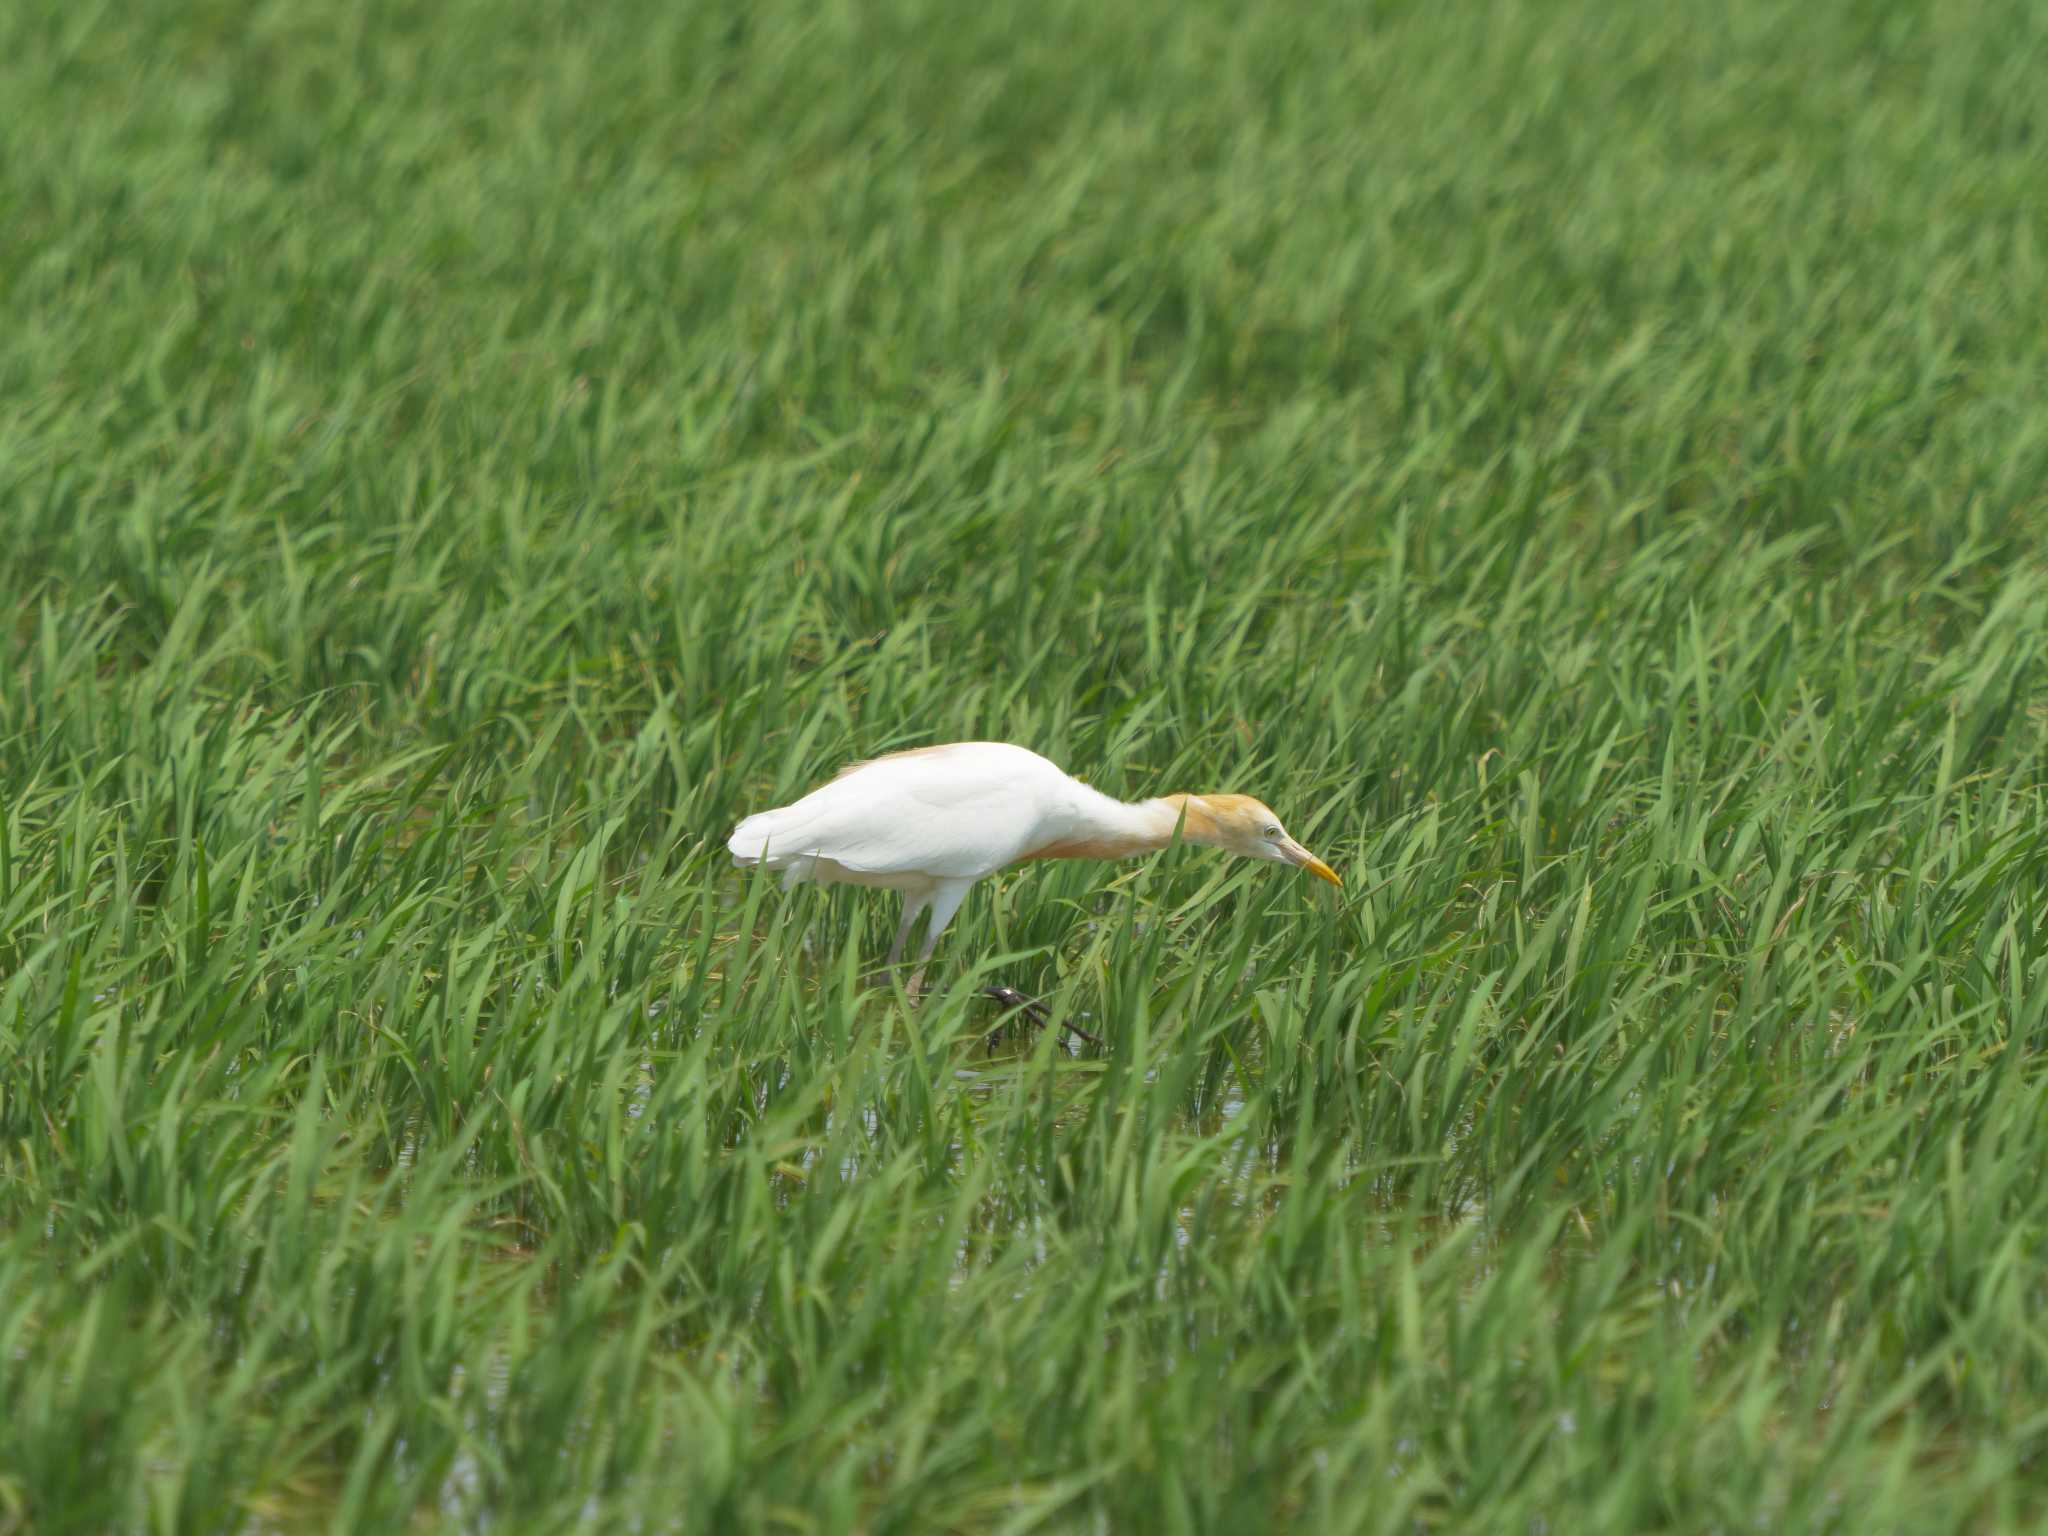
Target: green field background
[(1585, 464)]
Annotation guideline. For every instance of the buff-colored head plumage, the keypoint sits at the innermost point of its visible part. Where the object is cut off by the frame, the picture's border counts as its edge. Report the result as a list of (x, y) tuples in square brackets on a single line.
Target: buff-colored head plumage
[(1245, 826)]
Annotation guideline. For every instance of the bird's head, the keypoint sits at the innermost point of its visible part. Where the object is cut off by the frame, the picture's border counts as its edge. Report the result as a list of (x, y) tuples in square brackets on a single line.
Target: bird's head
[(1240, 824)]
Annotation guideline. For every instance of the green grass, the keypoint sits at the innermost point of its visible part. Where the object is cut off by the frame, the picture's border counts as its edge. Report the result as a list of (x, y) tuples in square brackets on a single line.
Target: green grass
[(1586, 465)]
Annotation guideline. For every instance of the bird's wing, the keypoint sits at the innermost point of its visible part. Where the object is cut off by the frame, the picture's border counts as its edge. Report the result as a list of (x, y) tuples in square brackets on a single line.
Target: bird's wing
[(953, 814)]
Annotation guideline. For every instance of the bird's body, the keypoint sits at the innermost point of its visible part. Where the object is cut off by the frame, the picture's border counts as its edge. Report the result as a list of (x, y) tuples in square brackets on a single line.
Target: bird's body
[(931, 821)]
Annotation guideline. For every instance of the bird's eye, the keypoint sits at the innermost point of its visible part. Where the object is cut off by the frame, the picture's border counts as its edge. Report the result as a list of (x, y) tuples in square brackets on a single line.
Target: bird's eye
[(1272, 831)]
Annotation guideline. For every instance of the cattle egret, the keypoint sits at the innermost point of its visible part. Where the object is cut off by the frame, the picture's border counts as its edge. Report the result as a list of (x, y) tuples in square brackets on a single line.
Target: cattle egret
[(931, 821)]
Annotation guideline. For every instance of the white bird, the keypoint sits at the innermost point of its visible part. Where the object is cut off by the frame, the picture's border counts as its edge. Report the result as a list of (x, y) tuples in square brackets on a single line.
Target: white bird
[(931, 821)]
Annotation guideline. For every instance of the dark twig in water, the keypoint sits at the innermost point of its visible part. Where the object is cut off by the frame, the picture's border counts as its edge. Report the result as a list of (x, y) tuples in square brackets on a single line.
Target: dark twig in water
[(1032, 1009)]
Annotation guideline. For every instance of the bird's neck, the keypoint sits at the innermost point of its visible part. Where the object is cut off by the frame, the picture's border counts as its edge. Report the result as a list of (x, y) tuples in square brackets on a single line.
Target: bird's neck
[(1118, 829), (1189, 815)]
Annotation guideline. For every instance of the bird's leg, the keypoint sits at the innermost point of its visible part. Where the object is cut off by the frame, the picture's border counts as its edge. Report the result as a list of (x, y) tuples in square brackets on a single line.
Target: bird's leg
[(945, 901), (912, 905)]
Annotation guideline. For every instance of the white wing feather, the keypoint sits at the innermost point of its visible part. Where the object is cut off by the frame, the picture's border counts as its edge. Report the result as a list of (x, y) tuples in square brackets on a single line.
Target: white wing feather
[(955, 812)]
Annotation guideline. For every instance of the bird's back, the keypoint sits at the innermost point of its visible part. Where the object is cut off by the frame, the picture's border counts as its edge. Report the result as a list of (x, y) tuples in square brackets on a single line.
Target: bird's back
[(958, 811)]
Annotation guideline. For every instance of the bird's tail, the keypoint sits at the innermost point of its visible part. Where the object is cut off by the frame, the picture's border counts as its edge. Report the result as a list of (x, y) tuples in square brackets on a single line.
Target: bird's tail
[(775, 836)]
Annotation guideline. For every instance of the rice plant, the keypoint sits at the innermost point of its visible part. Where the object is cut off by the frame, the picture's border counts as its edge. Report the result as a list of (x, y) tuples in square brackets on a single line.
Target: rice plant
[(1586, 463)]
